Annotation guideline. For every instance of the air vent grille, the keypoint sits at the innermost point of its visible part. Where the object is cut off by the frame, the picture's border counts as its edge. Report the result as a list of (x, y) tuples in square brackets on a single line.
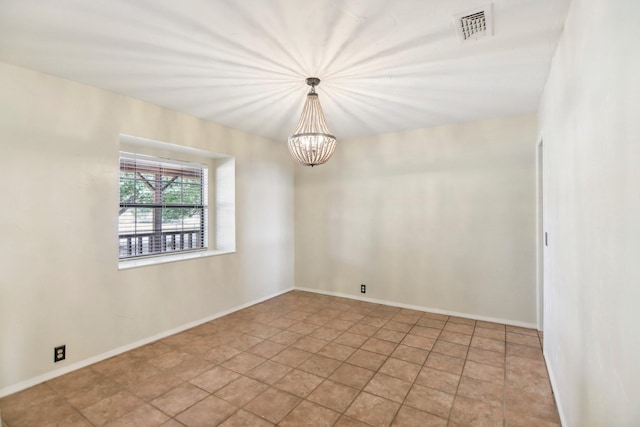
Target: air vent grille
[(474, 24)]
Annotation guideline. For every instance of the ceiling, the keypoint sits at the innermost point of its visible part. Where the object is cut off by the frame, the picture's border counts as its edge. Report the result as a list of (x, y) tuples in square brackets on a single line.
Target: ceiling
[(385, 65)]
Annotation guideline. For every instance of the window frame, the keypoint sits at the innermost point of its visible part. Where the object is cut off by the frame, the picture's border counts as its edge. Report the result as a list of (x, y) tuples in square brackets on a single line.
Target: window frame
[(161, 243)]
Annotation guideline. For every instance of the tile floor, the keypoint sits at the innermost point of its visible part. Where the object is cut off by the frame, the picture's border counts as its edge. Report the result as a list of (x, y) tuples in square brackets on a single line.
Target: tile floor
[(304, 359)]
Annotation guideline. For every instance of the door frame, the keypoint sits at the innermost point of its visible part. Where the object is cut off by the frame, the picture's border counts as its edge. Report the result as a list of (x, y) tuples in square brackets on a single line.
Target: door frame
[(540, 233)]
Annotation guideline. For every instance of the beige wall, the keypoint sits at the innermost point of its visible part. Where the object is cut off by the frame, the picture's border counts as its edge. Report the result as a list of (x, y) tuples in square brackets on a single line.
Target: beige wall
[(441, 218), (59, 281), (591, 138)]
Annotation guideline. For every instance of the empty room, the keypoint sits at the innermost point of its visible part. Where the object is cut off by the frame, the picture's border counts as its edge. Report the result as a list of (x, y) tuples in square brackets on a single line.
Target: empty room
[(331, 213)]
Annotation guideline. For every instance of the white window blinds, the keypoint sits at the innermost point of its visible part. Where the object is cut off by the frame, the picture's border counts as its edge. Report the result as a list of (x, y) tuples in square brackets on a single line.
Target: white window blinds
[(163, 206)]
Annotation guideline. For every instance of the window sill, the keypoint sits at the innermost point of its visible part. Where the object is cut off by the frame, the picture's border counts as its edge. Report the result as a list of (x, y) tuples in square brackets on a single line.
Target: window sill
[(163, 259)]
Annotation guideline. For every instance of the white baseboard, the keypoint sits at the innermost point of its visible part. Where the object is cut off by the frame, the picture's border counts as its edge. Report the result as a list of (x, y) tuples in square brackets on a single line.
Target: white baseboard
[(552, 379), (90, 361), (421, 308)]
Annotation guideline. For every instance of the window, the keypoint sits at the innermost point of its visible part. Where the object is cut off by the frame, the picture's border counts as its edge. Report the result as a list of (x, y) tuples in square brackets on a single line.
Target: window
[(163, 206)]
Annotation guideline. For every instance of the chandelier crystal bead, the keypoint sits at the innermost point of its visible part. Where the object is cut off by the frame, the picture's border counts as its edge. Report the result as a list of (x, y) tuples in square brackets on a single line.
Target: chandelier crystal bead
[(312, 143)]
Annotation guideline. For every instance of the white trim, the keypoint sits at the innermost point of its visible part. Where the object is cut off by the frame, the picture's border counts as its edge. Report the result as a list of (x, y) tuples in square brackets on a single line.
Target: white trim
[(86, 362), (421, 308), (539, 238), (127, 264), (552, 380)]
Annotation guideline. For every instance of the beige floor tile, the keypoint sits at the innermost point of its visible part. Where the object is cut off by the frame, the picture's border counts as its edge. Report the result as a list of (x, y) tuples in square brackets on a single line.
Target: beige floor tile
[(325, 333), (455, 337), (481, 390), (531, 340), (389, 335), (299, 383), (532, 404), (341, 325), (388, 387), (71, 382), (208, 412), (292, 357), (529, 383), (426, 331), (286, 337), (431, 322), (152, 387), (269, 372), (93, 393), (494, 334), (525, 351), (410, 354), (302, 328), (367, 359), (452, 326), (306, 359), (214, 379), (488, 344), (320, 365), (490, 325), (450, 349), (482, 372), (430, 400), (172, 423), (333, 395), (310, 344), (440, 380), (150, 350), (143, 416), (461, 320), (241, 391), (398, 326), (111, 407), (362, 329), (407, 317), (379, 346), (520, 330), (220, 354), (345, 421), (375, 321), (243, 362), (170, 359), (517, 419), (445, 363), (273, 405), (266, 349), (190, 368), (337, 351), (476, 413), (50, 409), (400, 369), (351, 375), (423, 343), (179, 399), (135, 374), (243, 418), (410, 417), (308, 414), (373, 410), (351, 339), (282, 323), (487, 357)]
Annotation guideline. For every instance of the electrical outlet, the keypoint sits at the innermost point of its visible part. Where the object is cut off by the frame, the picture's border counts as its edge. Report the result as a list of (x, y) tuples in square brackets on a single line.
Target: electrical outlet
[(59, 353), (363, 289)]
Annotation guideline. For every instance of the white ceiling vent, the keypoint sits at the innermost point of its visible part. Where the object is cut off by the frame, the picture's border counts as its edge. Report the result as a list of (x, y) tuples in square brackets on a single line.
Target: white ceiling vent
[(474, 24)]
